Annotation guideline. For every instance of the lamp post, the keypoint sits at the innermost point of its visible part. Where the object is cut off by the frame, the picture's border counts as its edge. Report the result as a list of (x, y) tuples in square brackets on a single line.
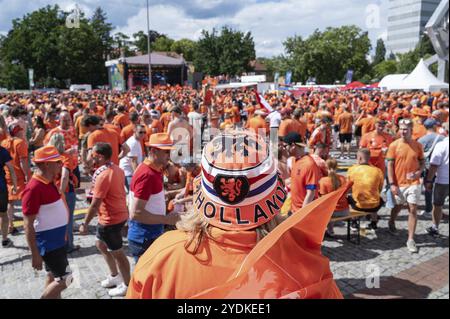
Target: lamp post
[(149, 54)]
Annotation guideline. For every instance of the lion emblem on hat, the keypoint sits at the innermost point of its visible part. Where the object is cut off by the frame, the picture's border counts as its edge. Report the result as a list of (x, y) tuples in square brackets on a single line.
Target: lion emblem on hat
[(231, 189)]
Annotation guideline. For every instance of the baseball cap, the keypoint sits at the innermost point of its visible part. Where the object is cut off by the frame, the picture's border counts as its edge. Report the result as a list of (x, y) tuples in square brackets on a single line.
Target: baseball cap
[(160, 141), (47, 153), (239, 187), (429, 123), (294, 138)]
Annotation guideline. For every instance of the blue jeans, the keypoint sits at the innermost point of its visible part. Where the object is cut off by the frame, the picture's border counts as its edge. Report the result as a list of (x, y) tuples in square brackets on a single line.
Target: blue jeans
[(70, 199), (138, 249)]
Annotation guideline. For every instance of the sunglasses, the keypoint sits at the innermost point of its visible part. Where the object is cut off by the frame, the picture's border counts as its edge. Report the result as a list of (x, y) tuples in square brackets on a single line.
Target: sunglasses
[(141, 132), (405, 122)]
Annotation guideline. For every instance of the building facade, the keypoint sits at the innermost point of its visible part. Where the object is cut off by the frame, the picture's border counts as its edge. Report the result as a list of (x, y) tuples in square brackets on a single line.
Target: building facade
[(406, 23)]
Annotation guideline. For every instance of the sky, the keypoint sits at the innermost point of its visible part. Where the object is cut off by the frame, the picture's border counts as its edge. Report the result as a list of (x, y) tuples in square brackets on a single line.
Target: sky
[(269, 21)]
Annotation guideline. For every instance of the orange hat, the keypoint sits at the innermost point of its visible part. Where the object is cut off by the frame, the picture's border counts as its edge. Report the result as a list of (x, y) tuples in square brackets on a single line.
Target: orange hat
[(419, 112), (47, 153), (161, 141), (239, 188)]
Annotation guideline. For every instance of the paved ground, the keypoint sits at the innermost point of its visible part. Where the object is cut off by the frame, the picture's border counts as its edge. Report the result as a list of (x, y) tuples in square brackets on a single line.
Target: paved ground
[(380, 267)]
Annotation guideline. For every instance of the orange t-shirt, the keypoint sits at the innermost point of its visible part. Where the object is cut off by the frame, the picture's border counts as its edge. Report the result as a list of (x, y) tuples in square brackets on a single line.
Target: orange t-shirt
[(406, 157), (112, 127), (418, 131), (121, 120), (345, 121), (82, 130), (106, 135), (109, 187), (367, 124), (326, 187), (127, 132), (305, 175), (376, 143)]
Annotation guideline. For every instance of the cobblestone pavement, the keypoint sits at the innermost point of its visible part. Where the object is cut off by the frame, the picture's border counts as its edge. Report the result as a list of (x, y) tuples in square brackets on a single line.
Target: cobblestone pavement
[(380, 267)]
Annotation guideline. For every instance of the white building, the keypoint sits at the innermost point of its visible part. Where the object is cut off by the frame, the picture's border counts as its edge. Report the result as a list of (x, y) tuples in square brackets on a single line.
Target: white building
[(406, 23)]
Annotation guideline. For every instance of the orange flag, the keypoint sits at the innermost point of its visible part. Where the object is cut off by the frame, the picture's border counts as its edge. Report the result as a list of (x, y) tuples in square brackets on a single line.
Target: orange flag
[(288, 262)]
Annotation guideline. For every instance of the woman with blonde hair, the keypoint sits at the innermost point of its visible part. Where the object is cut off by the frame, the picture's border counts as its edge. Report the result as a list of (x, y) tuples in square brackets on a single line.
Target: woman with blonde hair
[(329, 184)]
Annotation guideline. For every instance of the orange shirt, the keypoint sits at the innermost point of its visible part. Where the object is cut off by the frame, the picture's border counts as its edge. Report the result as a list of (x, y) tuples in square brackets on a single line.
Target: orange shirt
[(18, 149), (127, 132), (82, 130), (70, 139), (187, 274), (367, 124), (367, 185), (121, 120), (406, 157), (305, 175), (292, 125), (165, 120), (112, 127), (418, 131), (109, 187), (106, 135), (326, 187), (376, 143), (345, 121)]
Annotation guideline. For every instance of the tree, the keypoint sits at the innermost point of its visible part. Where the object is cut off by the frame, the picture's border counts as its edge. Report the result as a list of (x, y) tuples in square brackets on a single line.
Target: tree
[(328, 55), (391, 56), (59, 55), (162, 44), (380, 52), (140, 40), (384, 68), (122, 45), (185, 47), (229, 52), (408, 61)]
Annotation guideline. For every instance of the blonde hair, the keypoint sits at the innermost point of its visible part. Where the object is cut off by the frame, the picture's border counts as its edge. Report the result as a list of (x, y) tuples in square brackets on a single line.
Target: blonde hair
[(197, 226), (57, 140), (332, 167)]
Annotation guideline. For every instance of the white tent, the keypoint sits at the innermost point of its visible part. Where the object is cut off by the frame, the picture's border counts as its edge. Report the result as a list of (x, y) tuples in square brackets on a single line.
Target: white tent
[(391, 82), (420, 78)]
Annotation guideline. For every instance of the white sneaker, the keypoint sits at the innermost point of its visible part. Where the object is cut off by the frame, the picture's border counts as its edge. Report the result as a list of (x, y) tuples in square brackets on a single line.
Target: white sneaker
[(424, 213), (119, 291), (411, 244), (111, 281)]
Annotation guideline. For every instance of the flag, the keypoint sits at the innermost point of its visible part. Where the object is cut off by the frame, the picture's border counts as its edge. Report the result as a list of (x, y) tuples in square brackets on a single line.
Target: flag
[(288, 78), (288, 262), (262, 101)]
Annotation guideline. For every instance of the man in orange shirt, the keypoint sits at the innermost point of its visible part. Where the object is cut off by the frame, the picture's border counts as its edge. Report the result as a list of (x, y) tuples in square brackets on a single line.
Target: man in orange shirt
[(377, 142), (109, 203), (305, 173), (345, 122), (405, 165), (121, 119), (128, 130), (258, 124), (100, 134)]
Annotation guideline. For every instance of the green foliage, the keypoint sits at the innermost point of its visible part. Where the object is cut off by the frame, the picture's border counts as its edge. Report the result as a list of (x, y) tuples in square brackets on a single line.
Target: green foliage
[(380, 52), (186, 47), (59, 55), (384, 68), (140, 40), (162, 44), (229, 52), (329, 54)]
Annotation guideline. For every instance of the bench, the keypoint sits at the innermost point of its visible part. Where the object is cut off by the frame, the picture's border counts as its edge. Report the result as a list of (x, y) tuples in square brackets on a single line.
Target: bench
[(354, 215)]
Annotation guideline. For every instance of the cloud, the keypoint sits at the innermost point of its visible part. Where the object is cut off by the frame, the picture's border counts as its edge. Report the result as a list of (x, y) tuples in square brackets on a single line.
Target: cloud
[(270, 21)]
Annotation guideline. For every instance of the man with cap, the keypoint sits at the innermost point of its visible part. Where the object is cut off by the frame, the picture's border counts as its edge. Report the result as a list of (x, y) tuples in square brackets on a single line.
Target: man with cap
[(429, 141), (147, 197), (258, 124), (45, 221), (305, 174), (237, 201), (377, 142)]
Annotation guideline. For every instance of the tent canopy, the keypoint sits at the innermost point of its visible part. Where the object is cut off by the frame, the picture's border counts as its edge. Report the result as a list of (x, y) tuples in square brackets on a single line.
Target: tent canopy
[(420, 78)]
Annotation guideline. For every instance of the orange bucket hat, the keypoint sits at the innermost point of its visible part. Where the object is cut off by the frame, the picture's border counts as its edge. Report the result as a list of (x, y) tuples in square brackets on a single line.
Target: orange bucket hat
[(47, 153), (161, 141), (239, 187)]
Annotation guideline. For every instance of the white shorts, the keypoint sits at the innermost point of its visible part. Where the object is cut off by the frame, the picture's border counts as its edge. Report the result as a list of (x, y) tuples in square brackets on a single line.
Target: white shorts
[(408, 194)]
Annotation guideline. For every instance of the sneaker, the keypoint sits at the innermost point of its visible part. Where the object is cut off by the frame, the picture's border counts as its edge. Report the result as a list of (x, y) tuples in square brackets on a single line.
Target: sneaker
[(7, 243), (111, 281), (432, 231), (13, 231), (392, 228), (424, 213), (119, 291), (411, 244)]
